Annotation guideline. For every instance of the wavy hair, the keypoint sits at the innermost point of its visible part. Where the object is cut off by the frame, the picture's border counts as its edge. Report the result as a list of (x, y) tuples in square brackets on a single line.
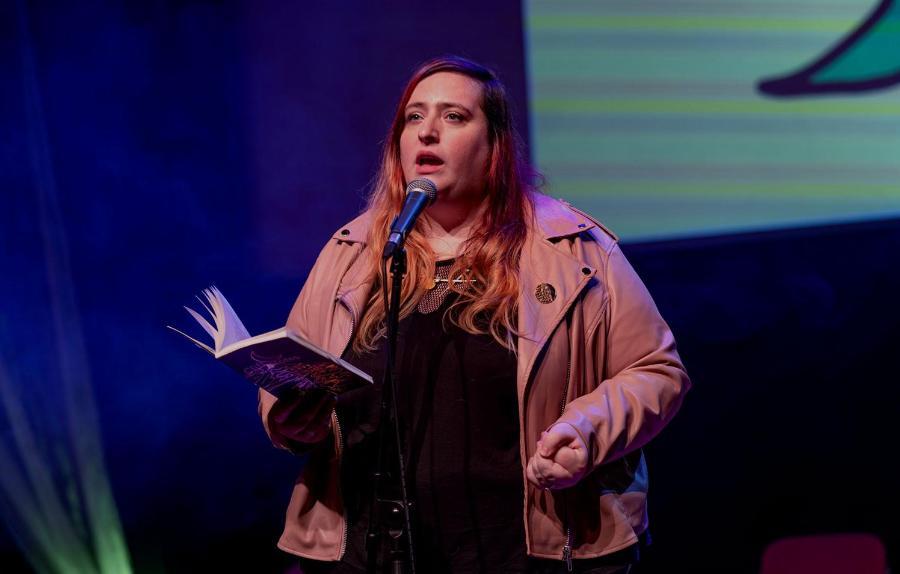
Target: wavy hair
[(490, 255)]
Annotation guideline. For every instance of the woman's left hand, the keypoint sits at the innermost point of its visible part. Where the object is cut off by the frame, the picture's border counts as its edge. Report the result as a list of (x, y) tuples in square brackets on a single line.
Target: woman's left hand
[(560, 460)]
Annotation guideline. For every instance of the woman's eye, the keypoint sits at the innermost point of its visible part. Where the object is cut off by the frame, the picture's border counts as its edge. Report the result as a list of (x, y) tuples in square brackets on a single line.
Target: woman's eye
[(415, 116), (455, 117)]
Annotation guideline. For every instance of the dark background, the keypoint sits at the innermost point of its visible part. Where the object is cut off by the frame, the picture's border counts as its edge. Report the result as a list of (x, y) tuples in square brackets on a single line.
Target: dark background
[(190, 143)]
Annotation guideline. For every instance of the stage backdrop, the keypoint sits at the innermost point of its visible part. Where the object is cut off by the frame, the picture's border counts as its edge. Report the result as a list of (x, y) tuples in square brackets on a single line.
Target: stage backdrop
[(704, 117)]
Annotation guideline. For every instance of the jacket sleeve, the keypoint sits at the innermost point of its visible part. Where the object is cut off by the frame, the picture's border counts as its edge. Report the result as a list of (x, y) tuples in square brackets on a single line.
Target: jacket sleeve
[(266, 401), (645, 379), (297, 426)]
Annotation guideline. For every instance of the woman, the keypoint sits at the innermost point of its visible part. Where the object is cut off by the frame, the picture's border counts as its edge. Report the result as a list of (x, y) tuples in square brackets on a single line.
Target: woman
[(533, 364)]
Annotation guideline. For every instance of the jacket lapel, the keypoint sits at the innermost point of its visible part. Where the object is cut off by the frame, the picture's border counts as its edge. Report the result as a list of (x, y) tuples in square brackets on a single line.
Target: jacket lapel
[(543, 262), (354, 285)]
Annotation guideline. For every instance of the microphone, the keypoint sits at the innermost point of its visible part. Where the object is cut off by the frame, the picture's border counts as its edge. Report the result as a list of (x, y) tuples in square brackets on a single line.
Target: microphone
[(419, 194)]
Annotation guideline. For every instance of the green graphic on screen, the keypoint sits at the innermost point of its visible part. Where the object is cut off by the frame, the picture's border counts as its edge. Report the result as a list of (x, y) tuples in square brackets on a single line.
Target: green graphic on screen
[(668, 119)]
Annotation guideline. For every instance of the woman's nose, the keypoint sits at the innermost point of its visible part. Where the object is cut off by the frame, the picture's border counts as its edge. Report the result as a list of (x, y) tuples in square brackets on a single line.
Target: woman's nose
[(428, 132)]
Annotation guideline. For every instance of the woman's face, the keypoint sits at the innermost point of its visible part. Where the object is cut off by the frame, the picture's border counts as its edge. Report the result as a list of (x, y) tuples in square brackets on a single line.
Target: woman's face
[(445, 137)]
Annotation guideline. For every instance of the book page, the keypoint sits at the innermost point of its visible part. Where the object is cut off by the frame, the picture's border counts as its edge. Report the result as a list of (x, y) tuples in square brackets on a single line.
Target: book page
[(229, 328)]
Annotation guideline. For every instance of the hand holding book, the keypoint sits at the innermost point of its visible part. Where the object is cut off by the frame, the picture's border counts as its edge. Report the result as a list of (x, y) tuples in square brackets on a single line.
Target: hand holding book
[(302, 418)]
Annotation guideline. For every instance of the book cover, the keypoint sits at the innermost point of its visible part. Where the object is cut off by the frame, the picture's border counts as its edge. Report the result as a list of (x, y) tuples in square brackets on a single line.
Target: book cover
[(278, 361)]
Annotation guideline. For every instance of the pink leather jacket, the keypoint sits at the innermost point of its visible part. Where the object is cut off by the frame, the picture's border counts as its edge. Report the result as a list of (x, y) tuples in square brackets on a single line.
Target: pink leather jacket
[(598, 356)]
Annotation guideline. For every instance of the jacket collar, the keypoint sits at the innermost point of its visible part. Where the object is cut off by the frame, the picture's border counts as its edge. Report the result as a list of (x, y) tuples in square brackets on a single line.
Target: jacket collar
[(556, 219), (553, 219), (544, 263), (356, 231)]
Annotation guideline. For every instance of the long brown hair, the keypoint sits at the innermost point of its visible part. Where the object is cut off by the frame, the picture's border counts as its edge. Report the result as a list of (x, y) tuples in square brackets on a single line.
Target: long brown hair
[(490, 256)]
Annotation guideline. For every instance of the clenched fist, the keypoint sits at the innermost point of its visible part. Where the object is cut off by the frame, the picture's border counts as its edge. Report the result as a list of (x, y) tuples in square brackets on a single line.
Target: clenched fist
[(560, 460)]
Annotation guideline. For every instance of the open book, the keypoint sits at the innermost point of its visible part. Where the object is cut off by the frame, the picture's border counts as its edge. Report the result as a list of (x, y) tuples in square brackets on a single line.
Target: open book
[(275, 361)]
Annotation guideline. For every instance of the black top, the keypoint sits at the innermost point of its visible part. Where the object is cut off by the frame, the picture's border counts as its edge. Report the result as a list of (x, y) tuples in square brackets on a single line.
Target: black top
[(460, 434)]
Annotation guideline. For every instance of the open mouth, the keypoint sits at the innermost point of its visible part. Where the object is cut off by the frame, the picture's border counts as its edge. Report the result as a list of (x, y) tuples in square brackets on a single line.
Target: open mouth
[(428, 159)]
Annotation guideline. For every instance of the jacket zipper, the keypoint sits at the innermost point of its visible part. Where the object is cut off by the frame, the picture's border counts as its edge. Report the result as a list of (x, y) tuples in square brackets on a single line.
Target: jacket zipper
[(340, 435), (567, 547), (340, 441)]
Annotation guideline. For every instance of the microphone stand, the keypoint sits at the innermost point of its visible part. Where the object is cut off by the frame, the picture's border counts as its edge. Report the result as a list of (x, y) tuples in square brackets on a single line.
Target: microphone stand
[(389, 516)]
